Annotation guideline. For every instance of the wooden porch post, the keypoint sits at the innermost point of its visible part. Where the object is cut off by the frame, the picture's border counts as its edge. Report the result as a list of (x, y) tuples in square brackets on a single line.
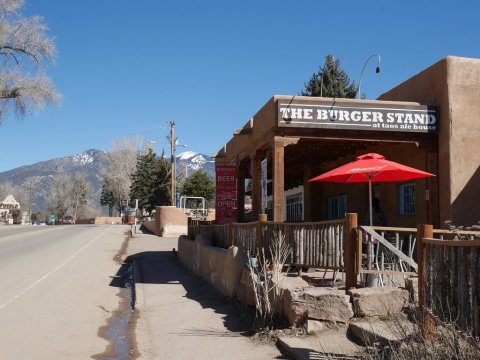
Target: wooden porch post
[(423, 231), (262, 218), (278, 177), (241, 192), (349, 250), (256, 161), (427, 321)]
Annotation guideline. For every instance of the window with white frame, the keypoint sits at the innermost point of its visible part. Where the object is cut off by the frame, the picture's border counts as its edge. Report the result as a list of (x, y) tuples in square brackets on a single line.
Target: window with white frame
[(408, 200), (337, 207), (295, 207)]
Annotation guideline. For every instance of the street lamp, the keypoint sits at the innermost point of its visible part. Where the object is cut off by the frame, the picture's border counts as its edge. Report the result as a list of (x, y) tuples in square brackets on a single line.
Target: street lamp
[(173, 145), (377, 70)]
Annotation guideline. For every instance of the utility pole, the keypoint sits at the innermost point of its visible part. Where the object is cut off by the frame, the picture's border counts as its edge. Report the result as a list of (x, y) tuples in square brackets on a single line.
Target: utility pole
[(30, 210), (172, 161)]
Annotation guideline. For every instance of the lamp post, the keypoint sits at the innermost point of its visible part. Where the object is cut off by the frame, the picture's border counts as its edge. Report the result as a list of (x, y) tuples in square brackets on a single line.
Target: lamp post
[(173, 145), (377, 70)]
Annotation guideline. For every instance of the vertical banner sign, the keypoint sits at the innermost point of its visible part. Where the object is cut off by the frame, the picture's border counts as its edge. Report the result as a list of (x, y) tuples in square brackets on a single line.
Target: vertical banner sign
[(264, 184), (226, 193)]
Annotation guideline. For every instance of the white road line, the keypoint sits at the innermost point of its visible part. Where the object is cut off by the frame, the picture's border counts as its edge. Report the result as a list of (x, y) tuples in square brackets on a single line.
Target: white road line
[(31, 286)]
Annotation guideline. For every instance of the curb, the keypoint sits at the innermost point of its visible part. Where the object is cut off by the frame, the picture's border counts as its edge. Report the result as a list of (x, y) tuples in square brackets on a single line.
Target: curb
[(298, 349), (137, 288), (292, 353)]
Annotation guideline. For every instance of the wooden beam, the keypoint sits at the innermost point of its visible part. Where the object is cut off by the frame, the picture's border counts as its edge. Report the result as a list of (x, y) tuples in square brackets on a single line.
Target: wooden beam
[(241, 192), (256, 162), (390, 247), (349, 251), (278, 177)]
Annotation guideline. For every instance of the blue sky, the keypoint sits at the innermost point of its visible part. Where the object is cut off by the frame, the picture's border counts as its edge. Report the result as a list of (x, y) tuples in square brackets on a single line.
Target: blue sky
[(127, 68)]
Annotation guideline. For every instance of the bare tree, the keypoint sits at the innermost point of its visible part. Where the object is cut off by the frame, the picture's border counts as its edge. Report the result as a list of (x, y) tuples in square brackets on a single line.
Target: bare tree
[(6, 188), (70, 193), (61, 193), (25, 49), (79, 194), (122, 160)]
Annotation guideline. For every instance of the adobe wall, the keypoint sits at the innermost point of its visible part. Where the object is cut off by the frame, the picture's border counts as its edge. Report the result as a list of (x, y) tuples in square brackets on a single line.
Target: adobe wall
[(263, 121), (104, 220), (452, 84), (170, 222), (221, 268), (150, 225)]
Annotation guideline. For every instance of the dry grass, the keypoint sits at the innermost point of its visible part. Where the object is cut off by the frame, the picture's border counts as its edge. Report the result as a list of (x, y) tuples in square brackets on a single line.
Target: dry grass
[(439, 343), (267, 277)]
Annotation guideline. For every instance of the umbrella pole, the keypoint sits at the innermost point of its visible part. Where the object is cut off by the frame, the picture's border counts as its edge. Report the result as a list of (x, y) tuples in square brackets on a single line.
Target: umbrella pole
[(370, 199)]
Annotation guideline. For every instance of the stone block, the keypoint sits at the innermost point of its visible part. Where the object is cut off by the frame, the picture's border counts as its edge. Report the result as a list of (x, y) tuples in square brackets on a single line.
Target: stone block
[(389, 332), (292, 309), (378, 301), (327, 304), (315, 326), (321, 304)]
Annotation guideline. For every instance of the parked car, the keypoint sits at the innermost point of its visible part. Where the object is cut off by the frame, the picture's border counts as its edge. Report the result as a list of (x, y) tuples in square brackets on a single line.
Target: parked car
[(68, 220)]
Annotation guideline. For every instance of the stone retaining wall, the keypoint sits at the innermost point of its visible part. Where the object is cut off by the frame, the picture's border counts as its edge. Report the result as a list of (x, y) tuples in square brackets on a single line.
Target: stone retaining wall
[(226, 270)]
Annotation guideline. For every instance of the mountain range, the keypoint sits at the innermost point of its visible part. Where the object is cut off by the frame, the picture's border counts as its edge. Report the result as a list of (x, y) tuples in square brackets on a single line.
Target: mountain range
[(37, 178)]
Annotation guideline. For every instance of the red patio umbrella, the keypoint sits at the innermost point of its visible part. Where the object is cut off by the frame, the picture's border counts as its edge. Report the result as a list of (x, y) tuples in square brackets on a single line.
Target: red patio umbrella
[(371, 168)]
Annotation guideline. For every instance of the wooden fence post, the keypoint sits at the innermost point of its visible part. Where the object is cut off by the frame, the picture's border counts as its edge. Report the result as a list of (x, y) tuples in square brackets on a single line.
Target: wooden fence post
[(427, 322), (261, 236), (349, 250), (423, 231)]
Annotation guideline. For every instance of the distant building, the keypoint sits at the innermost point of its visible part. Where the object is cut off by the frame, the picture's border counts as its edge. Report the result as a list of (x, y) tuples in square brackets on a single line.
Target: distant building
[(430, 122), (7, 206)]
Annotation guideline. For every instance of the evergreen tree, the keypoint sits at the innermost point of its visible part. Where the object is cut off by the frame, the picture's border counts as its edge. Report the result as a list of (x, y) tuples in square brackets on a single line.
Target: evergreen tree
[(199, 184), (107, 198), (151, 182), (335, 83)]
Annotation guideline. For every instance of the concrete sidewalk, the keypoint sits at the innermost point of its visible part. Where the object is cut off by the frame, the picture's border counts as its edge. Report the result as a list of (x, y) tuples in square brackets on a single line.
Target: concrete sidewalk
[(180, 315)]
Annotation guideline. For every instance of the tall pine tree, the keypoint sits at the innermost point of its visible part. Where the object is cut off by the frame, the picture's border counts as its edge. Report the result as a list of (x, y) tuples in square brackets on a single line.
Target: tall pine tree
[(199, 184), (151, 182), (335, 83)]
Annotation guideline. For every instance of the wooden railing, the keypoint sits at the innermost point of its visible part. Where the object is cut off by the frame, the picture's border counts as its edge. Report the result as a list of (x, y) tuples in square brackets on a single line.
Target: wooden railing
[(314, 244), (386, 253), (245, 236), (449, 278)]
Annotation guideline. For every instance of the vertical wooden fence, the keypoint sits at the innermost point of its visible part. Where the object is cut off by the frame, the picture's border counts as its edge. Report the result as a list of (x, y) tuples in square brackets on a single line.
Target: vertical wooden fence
[(449, 278), (314, 244)]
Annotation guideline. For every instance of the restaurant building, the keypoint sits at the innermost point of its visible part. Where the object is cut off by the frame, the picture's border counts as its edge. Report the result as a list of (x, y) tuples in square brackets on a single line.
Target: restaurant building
[(430, 122)]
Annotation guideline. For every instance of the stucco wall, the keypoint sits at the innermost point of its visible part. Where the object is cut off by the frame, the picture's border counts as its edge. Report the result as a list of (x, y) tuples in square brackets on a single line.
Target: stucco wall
[(221, 268), (170, 221), (150, 225), (452, 84)]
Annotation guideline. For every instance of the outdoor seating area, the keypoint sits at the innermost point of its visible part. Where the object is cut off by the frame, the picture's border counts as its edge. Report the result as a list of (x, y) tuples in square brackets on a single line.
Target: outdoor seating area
[(328, 255)]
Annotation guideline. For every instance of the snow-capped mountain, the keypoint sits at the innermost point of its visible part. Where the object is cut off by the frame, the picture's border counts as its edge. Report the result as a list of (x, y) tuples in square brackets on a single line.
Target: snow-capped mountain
[(39, 176), (190, 161)]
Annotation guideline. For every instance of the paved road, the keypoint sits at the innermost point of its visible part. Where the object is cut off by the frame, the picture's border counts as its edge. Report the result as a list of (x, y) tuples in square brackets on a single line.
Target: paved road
[(54, 289)]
